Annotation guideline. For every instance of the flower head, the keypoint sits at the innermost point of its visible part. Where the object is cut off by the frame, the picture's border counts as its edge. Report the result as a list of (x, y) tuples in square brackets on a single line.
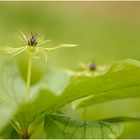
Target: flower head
[(33, 46)]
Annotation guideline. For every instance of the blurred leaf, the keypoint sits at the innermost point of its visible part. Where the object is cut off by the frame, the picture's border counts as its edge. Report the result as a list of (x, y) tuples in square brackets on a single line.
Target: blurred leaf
[(11, 90), (51, 84), (55, 80), (119, 82), (121, 78), (61, 127), (121, 119), (28, 112), (9, 133)]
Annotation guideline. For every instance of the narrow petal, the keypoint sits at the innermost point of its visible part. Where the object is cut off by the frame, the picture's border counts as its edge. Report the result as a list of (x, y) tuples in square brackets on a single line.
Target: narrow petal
[(61, 46), (40, 39), (44, 53), (10, 50), (23, 37), (43, 42), (18, 52)]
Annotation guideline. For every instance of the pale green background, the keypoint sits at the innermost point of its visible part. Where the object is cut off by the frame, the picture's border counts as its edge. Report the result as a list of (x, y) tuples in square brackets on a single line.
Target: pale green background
[(104, 31)]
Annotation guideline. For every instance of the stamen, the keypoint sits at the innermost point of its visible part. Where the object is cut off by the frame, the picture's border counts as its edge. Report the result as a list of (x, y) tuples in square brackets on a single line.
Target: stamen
[(32, 41)]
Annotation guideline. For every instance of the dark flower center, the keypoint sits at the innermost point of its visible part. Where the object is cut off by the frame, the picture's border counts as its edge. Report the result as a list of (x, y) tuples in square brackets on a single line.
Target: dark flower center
[(92, 67), (32, 41)]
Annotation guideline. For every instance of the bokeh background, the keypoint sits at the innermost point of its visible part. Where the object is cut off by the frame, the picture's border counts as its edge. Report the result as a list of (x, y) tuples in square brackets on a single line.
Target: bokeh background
[(104, 31)]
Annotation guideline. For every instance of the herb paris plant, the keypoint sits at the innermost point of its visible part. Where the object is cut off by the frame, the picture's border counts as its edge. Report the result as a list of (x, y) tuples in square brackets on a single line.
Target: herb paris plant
[(32, 49), (118, 81)]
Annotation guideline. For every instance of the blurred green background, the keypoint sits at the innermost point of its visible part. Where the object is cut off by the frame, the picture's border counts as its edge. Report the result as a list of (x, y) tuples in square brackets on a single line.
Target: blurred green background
[(104, 31)]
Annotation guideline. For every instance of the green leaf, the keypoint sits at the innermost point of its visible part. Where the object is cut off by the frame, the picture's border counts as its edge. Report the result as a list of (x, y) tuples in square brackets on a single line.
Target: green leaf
[(55, 80), (11, 90), (28, 112), (9, 133), (61, 127), (49, 86), (121, 119), (121, 81)]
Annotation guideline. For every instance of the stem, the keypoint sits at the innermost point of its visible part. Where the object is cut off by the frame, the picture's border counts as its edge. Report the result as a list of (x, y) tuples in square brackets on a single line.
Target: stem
[(29, 78)]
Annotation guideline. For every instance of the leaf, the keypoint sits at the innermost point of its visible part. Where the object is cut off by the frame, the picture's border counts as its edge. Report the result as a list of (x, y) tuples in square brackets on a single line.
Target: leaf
[(43, 94), (62, 127), (9, 133), (11, 90), (121, 81), (28, 112), (55, 80), (121, 119)]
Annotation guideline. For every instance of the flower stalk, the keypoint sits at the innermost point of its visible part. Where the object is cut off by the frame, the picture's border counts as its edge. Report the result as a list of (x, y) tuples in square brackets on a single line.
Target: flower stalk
[(32, 49), (29, 72)]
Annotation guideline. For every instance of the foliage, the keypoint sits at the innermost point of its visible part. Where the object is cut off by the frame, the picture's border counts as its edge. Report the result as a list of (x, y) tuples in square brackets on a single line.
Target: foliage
[(20, 118)]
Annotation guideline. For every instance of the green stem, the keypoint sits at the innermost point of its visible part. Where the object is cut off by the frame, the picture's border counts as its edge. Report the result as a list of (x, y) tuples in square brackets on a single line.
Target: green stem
[(29, 78)]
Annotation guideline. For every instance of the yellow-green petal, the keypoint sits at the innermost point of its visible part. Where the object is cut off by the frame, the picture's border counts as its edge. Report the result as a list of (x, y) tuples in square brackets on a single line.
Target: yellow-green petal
[(61, 46), (19, 52), (43, 42), (10, 50), (44, 53)]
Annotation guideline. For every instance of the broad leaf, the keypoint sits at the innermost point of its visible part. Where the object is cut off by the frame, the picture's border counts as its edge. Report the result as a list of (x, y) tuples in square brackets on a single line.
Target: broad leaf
[(120, 81), (28, 112), (55, 80), (121, 119), (11, 90), (9, 133), (61, 127)]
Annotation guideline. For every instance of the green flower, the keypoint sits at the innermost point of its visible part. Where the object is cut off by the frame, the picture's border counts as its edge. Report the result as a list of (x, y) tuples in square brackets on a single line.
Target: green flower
[(33, 47)]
